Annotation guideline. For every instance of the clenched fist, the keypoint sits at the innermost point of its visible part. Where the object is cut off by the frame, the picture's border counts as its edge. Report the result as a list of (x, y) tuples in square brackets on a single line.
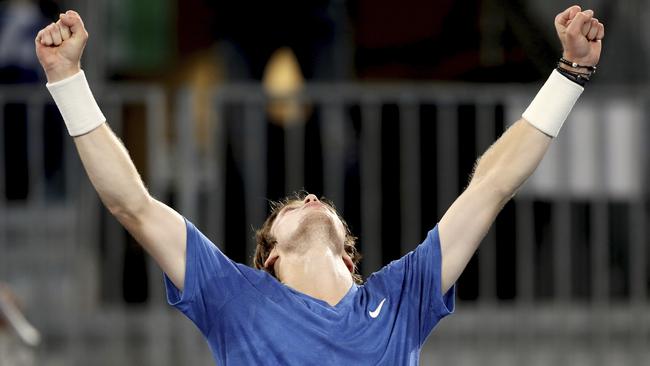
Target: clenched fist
[(59, 46), (581, 35)]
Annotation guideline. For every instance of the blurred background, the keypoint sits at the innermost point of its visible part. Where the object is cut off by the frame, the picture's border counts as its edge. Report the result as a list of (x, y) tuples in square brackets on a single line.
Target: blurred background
[(381, 106)]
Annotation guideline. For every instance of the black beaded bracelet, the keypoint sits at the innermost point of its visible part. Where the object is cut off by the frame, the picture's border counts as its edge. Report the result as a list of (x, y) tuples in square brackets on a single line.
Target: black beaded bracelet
[(577, 77), (591, 69)]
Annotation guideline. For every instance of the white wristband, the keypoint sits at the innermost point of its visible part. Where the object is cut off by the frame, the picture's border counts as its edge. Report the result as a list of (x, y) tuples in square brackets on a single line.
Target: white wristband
[(552, 105), (76, 104)]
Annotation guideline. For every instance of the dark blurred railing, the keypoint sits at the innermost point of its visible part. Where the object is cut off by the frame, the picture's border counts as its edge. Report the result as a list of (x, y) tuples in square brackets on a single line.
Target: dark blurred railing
[(566, 260)]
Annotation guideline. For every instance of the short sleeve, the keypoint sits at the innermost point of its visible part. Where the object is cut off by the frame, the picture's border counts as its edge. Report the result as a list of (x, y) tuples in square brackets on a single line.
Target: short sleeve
[(416, 279), (427, 265), (211, 280)]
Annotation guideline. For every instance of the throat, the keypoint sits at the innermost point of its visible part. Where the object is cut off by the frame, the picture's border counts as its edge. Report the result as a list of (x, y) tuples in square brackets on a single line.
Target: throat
[(323, 276)]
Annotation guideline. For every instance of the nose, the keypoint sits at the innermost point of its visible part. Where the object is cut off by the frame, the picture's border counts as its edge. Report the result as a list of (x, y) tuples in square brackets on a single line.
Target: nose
[(310, 198)]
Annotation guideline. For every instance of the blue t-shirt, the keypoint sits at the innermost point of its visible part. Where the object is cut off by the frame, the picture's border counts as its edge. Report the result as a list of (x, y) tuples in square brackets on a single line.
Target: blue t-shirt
[(249, 318)]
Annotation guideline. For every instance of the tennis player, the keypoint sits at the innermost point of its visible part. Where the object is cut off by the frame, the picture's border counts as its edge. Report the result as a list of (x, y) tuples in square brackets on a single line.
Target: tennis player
[(304, 303)]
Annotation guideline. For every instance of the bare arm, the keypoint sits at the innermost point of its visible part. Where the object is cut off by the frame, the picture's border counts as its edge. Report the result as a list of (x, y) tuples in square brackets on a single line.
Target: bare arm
[(498, 175), (158, 228), (510, 161)]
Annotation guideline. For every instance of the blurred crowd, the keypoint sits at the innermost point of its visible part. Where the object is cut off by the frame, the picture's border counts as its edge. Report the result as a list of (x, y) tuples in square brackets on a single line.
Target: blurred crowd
[(173, 41)]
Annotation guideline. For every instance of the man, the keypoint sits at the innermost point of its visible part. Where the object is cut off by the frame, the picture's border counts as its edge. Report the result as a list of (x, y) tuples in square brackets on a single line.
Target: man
[(314, 313)]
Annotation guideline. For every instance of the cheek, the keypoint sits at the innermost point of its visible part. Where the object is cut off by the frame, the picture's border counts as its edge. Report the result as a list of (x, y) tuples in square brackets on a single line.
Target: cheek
[(339, 226), (283, 229)]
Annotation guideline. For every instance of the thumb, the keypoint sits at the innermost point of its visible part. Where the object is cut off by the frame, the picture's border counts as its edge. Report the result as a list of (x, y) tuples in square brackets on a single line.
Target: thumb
[(73, 21)]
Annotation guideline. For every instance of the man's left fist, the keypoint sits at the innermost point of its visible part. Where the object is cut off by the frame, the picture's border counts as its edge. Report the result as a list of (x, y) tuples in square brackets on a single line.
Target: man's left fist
[(581, 35)]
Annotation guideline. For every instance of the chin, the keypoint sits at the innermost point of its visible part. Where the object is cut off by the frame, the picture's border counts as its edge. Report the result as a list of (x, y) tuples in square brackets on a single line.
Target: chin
[(320, 226), (315, 221), (316, 215)]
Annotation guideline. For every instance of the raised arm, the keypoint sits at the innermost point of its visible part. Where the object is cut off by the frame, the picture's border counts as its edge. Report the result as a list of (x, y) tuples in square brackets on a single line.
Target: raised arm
[(158, 228), (514, 156)]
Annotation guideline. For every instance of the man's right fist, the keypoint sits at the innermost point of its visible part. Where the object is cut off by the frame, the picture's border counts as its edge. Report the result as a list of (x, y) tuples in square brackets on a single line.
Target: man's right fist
[(59, 46)]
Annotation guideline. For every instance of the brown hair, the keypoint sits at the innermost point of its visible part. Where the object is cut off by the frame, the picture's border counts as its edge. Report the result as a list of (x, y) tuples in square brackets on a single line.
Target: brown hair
[(265, 242)]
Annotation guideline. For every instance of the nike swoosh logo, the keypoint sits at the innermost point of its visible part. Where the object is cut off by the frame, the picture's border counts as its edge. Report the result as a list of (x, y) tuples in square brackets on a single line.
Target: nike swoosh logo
[(374, 314)]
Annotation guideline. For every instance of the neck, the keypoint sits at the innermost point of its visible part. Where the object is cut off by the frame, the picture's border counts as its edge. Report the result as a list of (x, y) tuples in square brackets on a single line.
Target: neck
[(318, 272)]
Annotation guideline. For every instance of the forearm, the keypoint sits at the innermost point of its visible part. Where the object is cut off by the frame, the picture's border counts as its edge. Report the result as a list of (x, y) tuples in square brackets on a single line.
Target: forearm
[(112, 172), (514, 157), (105, 159), (507, 164), (501, 170)]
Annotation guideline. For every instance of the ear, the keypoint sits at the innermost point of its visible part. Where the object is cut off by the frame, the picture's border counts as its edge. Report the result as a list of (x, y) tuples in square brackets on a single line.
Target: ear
[(348, 262), (273, 256)]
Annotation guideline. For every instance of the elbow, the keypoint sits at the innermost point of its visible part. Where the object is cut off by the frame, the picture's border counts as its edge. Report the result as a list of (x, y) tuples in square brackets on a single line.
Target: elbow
[(129, 210), (495, 186)]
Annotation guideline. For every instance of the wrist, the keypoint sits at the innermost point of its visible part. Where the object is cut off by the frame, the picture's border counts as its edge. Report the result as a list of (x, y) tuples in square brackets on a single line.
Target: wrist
[(59, 73), (77, 104), (579, 60), (569, 68), (578, 73), (553, 103)]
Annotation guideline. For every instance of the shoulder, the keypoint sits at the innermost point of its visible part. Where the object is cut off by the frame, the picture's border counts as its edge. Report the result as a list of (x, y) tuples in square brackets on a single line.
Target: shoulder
[(399, 270)]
